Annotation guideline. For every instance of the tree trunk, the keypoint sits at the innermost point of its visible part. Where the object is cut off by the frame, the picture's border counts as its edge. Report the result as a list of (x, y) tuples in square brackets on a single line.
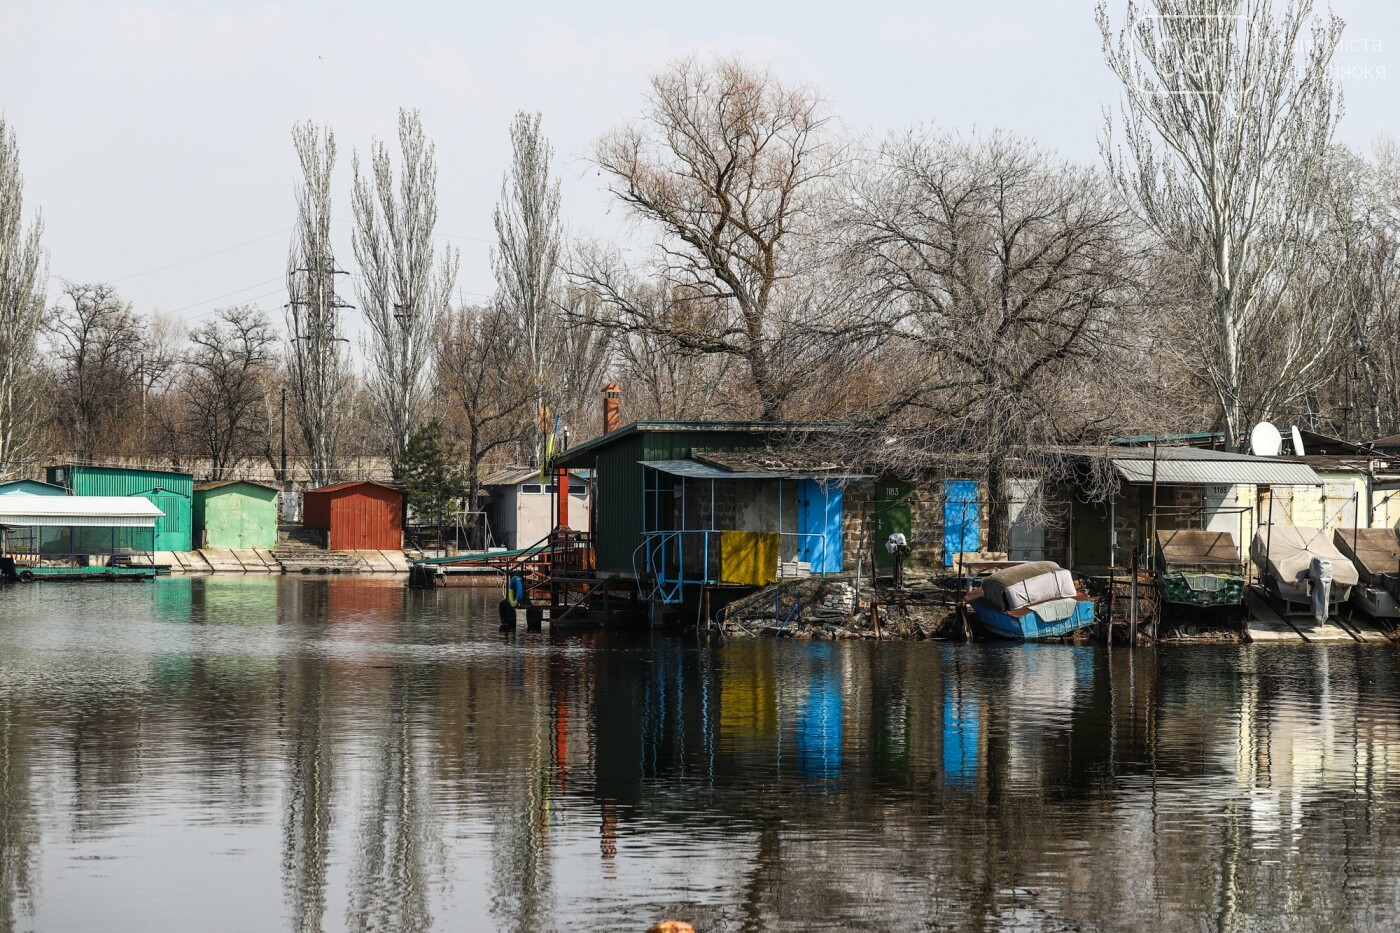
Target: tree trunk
[(998, 504)]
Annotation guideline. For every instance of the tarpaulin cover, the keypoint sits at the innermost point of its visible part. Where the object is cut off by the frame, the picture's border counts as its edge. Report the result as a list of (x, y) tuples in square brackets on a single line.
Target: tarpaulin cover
[(1286, 553), (1027, 584), (1196, 548), (1057, 610), (748, 557), (1374, 551)]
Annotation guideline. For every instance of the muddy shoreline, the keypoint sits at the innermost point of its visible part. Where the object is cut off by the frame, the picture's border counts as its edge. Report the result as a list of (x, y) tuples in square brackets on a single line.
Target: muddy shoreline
[(838, 608)]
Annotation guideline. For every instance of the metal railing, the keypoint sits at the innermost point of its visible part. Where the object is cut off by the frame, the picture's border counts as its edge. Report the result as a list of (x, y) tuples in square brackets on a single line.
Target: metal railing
[(661, 558)]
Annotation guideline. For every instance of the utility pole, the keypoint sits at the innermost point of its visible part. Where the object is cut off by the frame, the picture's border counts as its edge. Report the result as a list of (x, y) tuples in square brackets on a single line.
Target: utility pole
[(404, 314), (315, 361), (284, 435)]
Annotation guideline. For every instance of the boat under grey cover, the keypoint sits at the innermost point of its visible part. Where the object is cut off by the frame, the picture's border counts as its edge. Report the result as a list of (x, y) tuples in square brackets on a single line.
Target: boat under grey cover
[(1375, 553), (1302, 565), (1027, 584)]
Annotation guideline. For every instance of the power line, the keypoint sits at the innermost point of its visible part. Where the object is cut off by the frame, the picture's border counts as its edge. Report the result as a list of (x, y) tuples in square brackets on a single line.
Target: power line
[(474, 239), (445, 236), (266, 236), (230, 295), (464, 291), (217, 252)]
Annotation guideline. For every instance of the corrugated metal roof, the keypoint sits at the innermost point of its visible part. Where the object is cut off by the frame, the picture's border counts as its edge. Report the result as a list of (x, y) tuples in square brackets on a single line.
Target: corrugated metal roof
[(346, 484), (514, 475), (510, 476), (220, 483), (31, 487), (79, 511), (802, 464), (585, 451), (694, 469), (1193, 467)]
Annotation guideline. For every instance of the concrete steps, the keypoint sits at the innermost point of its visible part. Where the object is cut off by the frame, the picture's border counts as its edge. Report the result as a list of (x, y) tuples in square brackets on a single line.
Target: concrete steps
[(304, 559), (301, 536)]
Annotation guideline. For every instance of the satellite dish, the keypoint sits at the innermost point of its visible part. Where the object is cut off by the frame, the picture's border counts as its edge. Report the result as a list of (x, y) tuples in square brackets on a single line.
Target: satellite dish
[(1298, 443), (1265, 441)]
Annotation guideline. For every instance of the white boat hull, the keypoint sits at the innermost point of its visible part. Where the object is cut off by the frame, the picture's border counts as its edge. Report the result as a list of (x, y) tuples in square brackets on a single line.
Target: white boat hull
[(1375, 602)]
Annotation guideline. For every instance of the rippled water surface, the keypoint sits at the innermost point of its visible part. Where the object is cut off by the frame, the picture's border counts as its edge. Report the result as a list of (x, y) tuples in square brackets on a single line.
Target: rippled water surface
[(261, 754)]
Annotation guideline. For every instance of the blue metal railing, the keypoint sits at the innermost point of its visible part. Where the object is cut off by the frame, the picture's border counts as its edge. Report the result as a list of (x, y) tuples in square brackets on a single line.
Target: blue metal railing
[(660, 558)]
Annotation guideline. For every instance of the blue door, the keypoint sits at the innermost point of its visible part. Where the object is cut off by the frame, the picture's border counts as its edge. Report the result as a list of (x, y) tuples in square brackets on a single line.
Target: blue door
[(819, 523), (961, 529)]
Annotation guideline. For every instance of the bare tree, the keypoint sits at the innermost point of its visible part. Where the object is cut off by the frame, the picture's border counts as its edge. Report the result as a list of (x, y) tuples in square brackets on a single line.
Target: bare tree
[(482, 363), (162, 348), (404, 285), (99, 343), (665, 380), (526, 262), (1002, 270), (1228, 110), (1358, 262), (318, 365), (223, 387), (585, 353), (729, 169), (23, 277)]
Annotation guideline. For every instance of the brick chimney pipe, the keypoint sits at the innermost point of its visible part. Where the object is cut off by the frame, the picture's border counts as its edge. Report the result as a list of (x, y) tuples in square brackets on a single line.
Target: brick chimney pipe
[(612, 407)]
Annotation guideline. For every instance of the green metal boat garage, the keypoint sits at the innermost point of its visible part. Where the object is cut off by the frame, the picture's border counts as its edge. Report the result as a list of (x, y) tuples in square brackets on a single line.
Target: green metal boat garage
[(235, 514), (171, 492)]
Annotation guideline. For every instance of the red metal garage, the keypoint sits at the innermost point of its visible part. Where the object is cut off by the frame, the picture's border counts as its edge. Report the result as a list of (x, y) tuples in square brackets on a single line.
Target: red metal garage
[(356, 516)]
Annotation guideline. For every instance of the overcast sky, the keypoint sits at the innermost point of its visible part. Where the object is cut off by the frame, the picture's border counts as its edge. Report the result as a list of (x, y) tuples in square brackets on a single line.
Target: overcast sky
[(155, 133)]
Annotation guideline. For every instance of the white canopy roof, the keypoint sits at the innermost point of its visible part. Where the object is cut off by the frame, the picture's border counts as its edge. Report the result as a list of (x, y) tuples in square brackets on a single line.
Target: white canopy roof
[(79, 511)]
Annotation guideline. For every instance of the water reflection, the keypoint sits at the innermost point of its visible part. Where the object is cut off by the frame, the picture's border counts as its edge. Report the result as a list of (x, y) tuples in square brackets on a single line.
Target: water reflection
[(310, 787), (313, 754)]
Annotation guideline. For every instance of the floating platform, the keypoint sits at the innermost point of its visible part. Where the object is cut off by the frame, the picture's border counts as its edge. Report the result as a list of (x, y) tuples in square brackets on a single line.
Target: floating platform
[(78, 574)]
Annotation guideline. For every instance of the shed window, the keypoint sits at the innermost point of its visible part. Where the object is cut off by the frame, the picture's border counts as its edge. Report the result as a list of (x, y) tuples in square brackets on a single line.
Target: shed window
[(531, 489)]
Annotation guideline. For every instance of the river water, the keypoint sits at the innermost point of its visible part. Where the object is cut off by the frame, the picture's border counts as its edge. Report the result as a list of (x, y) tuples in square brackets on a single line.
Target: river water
[(295, 753)]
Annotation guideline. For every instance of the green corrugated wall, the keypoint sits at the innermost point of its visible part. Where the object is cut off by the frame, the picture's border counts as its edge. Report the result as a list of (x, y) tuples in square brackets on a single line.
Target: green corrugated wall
[(175, 498), (239, 515)]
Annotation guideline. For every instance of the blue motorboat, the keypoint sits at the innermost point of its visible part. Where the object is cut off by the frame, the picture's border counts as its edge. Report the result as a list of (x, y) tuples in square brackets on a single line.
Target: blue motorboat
[(1031, 601)]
